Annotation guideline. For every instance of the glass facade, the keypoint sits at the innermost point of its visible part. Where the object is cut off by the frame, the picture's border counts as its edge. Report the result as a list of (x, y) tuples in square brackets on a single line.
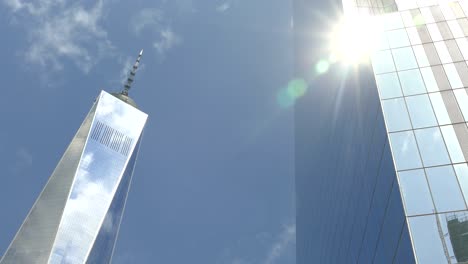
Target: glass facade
[(382, 151), (79, 211)]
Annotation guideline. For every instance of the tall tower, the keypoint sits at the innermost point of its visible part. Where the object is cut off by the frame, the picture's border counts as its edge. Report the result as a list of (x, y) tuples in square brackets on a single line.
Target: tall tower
[(78, 213)]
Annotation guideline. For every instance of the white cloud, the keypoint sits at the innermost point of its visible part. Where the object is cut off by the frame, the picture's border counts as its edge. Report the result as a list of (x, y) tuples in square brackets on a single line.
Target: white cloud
[(284, 242), (152, 20), (58, 30), (167, 40), (223, 7)]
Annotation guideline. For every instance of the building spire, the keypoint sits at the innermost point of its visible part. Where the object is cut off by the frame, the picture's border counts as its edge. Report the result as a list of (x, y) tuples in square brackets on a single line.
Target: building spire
[(131, 75)]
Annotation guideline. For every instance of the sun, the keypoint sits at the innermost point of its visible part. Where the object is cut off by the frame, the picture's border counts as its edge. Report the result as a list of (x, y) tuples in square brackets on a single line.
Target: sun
[(354, 38)]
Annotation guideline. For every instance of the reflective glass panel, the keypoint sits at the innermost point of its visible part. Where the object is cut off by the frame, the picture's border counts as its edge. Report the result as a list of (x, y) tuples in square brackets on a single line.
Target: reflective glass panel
[(434, 31), (421, 56), (454, 227), (452, 76), (420, 111), (443, 52), (462, 174), (427, 15), (382, 62), (463, 45), (462, 99), (392, 21), (398, 38), (389, 85), (453, 146), (429, 79), (415, 192), (404, 58), (426, 239), (455, 28), (440, 109), (396, 115), (445, 190), (405, 151), (431, 146), (411, 82)]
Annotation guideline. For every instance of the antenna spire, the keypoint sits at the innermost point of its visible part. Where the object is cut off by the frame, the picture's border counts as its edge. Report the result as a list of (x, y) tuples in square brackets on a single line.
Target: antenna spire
[(131, 75)]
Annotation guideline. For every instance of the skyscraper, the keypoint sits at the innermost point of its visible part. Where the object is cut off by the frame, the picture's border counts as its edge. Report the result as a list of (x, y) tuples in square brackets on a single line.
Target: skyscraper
[(77, 215), (382, 148)]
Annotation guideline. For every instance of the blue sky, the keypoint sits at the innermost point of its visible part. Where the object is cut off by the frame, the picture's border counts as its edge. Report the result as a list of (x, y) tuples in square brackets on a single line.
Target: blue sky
[(214, 182)]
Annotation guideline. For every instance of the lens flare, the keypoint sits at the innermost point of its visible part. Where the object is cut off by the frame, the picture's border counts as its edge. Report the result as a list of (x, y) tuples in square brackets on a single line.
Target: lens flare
[(354, 38), (287, 96)]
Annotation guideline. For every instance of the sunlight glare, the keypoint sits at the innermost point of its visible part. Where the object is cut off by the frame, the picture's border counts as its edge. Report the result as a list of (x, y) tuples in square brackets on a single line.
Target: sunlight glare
[(354, 38)]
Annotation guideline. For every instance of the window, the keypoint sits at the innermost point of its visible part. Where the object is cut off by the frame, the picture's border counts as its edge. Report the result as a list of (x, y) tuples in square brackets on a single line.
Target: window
[(452, 75), (453, 146), (389, 85), (420, 111), (440, 109), (404, 58), (421, 56), (398, 38), (396, 115), (432, 146), (382, 62), (462, 174), (445, 189), (429, 79), (404, 149), (411, 82), (415, 192)]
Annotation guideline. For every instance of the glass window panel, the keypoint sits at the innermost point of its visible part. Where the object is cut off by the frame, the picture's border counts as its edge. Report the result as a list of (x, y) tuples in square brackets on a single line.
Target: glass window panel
[(447, 11), (392, 21), (431, 146), (411, 82), (389, 85), (462, 174), (464, 6), (462, 70), (437, 13), (434, 31), (444, 30), (407, 18), (431, 53), (453, 146), (451, 104), (420, 111), (413, 36), (426, 240), (457, 32), (424, 34), (396, 115), (404, 58), (462, 99), (445, 190), (407, 4), (454, 51), (427, 15), (405, 151), (441, 77), (440, 109), (398, 38), (381, 42), (442, 50), (463, 45), (452, 76), (415, 192), (382, 62), (463, 22), (421, 56), (457, 10), (429, 79)]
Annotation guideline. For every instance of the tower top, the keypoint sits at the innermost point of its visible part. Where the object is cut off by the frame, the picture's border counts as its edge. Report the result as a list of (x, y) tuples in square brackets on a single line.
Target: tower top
[(131, 75)]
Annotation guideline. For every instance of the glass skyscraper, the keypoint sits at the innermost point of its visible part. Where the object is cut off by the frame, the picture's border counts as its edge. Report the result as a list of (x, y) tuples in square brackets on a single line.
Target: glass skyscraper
[(382, 150), (77, 215)]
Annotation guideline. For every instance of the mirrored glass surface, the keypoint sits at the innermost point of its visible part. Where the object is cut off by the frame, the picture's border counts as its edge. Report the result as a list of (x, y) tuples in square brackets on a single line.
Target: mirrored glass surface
[(415, 192), (462, 99), (388, 85), (429, 79), (443, 52), (454, 227), (413, 36), (463, 45), (455, 28), (426, 240), (432, 146), (398, 38), (445, 189), (392, 21), (382, 62), (462, 174), (434, 31), (440, 109), (411, 82), (452, 76), (113, 135), (420, 111), (404, 58), (405, 151), (452, 143), (396, 115), (421, 57)]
